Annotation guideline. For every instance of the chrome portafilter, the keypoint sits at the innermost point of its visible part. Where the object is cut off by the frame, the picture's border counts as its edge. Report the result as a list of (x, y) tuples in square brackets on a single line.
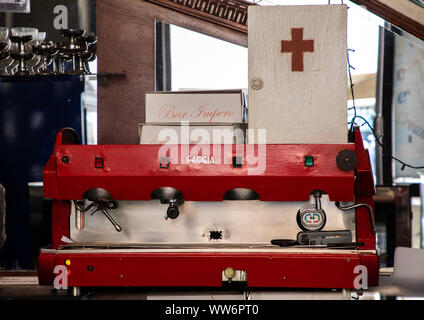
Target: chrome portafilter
[(4, 54), (36, 62), (93, 50), (87, 41), (48, 51), (4, 43), (73, 48), (62, 58), (5, 59), (21, 54)]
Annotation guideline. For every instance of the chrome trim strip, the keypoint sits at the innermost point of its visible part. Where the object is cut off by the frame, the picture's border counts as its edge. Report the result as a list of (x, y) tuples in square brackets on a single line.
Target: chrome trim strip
[(212, 250)]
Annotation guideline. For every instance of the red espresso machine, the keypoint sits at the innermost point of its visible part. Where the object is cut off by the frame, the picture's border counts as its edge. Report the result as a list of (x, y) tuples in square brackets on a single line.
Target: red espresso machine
[(264, 216)]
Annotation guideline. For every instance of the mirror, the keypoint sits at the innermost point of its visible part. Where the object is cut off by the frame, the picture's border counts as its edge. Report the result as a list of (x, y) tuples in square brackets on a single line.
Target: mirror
[(188, 60), (408, 105)]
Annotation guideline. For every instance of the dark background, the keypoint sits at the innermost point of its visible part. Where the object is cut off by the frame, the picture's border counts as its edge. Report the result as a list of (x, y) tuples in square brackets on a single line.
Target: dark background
[(81, 15), (31, 114)]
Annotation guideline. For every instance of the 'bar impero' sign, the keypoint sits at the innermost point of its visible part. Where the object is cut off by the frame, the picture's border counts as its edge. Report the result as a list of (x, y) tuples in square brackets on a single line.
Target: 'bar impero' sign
[(298, 73)]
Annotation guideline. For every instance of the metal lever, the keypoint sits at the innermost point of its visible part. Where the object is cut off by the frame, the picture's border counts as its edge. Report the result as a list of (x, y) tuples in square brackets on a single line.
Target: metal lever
[(370, 213), (116, 225), (100, 205)]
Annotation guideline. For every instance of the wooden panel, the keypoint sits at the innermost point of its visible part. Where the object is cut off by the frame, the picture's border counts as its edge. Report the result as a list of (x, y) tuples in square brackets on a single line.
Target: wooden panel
[(405, 14), (229, 13), (298, 97), (126, 44)]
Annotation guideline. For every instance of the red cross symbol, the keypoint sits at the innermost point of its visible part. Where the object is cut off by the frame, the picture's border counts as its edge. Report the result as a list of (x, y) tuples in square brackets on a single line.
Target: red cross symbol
[(297, 46)]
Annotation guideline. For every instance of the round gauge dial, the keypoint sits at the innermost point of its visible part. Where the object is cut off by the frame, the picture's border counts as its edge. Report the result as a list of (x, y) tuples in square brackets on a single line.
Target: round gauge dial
[(311, 219)]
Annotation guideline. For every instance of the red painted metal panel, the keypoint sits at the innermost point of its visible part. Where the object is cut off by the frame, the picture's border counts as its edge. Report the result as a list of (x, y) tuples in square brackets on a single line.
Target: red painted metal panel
[(60, 221), (371, 261), (132, 172), (285, 270), (50, 187), (364, 191), (46, 264)]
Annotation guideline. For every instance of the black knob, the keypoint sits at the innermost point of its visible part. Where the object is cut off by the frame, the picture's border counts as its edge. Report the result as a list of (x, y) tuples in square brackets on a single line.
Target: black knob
[(172, 212), (346, 160)]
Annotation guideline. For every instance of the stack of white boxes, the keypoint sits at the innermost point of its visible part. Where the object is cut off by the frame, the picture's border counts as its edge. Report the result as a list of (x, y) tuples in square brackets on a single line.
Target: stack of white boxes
[(190, 117)]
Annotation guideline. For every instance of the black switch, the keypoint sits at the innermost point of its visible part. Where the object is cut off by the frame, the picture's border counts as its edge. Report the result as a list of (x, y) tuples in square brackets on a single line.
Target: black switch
[(164, 162), (237, 162)]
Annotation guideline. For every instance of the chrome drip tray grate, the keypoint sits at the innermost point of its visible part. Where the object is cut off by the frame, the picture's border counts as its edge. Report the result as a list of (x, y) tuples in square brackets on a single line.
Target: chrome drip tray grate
[(92, 245)]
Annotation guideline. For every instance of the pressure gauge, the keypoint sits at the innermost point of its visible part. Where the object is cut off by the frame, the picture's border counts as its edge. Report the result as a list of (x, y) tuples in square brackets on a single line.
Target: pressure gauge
[(309, 218)]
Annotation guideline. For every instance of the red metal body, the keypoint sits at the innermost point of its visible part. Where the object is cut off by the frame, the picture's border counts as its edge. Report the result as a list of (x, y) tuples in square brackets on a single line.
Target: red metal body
[(133, 172), (290, 270)]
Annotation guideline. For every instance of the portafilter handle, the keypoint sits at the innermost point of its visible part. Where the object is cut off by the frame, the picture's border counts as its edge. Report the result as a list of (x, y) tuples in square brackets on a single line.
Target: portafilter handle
[(115, 224)]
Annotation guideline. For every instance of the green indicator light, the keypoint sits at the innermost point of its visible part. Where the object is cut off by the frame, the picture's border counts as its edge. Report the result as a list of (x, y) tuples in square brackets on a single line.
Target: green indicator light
[(309, 161)]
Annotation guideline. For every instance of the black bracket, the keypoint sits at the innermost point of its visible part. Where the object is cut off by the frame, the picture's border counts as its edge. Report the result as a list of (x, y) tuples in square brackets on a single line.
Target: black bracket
[(99, 162)]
